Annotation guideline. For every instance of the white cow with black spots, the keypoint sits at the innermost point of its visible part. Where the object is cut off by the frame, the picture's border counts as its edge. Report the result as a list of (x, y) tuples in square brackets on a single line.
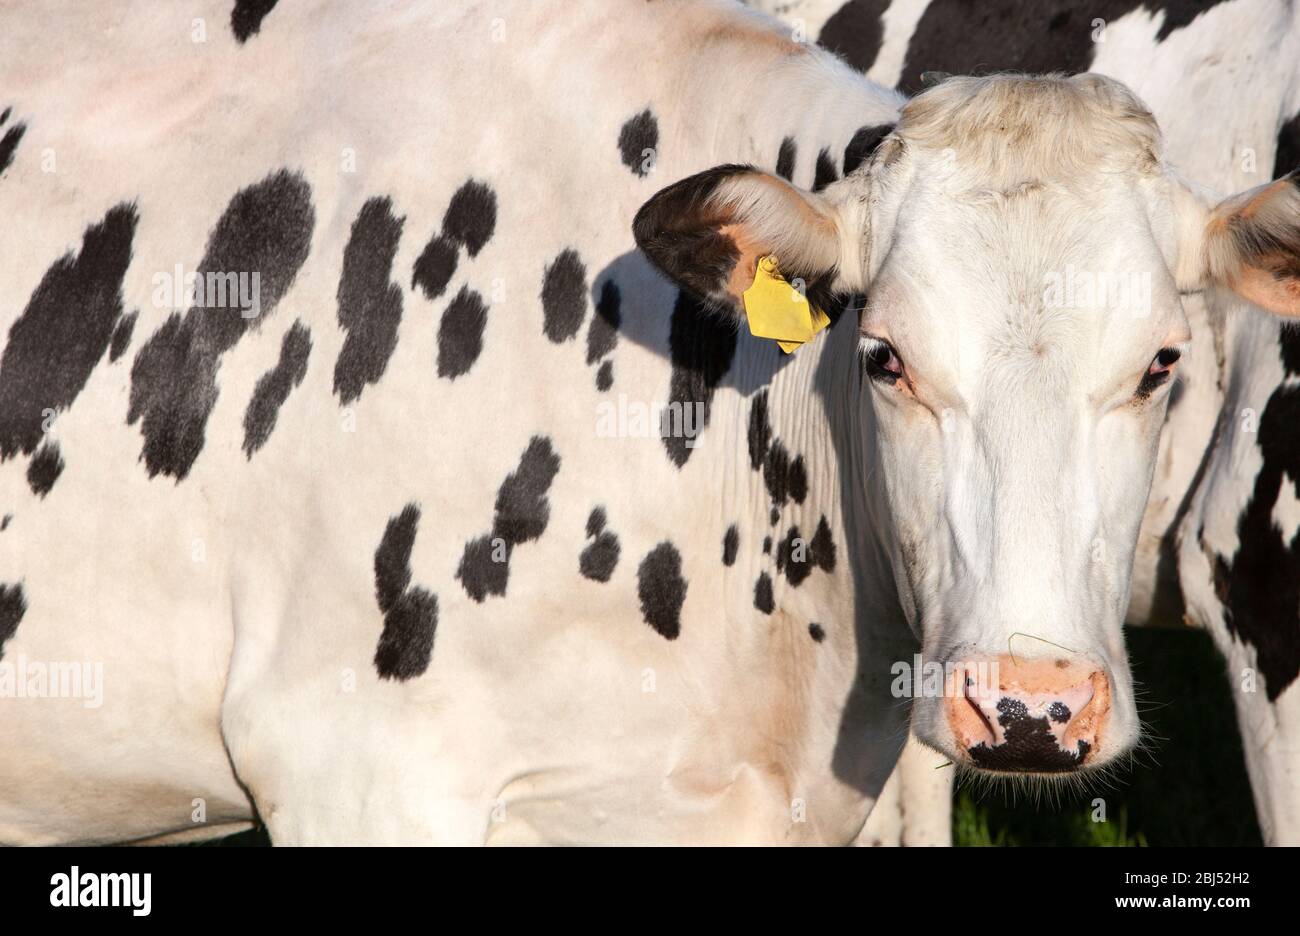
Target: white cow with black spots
[(432, 511), (1222, 80)]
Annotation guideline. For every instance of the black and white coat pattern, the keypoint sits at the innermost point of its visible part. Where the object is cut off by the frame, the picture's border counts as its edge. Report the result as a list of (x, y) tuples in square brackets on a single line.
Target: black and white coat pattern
[(386, 540), (1218, 544), (308, 546)]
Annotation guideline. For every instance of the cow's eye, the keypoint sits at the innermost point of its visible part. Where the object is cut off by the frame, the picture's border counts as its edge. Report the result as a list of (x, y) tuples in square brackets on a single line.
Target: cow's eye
[(1164, 361), (1162, 365), (881, 360)]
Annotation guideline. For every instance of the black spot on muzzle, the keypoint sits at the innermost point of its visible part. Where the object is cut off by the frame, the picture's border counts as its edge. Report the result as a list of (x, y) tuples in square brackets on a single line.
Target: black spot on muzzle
[(1030, 744)]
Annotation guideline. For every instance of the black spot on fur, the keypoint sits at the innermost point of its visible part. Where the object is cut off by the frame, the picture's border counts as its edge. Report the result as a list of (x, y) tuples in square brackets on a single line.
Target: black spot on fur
[(730, 545), (273, 387), (9, 143), (776, 473), (602, 335), (64, 331), (485, 567), (816, 632), (760, 430), (406, 644), (5, 521), (45, 467), (763, 599), (794, 557), (964, 38), (662, 590), (797, 480), (598, 560), (797, 557), (522, 512), (600, 556), (1222, 574), (564, 296), (1178, 13), (702, 347), (469, 221), (122, 336), (471, 217), (393, 557), (639, 134), (605, 376), (410, 614), (824, 173), (784, 547), (1260, 586), (864, 144), (767, 545), (267, 229), (1290, 348), (854, 32), (774, 516), (460, 333), (1028, 744), (435, 267), (823, 547), (1059, 712), (369, 305), (785, 159), (1288, 148), (246, 17), (13, 605)]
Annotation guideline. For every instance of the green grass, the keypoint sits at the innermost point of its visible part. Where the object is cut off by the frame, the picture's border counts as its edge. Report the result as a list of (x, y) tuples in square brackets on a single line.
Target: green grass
[(1188, 788)]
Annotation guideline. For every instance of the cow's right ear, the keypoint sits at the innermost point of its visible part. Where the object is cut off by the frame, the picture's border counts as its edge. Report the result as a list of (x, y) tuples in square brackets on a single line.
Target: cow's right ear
[(707, 233)]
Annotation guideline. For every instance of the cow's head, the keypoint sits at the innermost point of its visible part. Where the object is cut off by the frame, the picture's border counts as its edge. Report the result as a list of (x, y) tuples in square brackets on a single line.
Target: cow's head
[(1023, 249)]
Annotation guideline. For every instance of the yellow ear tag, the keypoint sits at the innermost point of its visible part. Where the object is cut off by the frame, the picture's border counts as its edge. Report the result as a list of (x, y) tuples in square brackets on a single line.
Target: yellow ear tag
[(777, 310)]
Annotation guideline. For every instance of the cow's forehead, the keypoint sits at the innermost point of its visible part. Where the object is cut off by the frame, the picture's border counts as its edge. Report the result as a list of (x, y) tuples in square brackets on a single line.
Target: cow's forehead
[(1039, 271)]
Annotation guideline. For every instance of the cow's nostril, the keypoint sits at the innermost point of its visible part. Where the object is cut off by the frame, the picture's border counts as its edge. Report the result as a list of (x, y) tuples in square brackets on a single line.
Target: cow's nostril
[(966, 716), (990, 733), (1036, 717)]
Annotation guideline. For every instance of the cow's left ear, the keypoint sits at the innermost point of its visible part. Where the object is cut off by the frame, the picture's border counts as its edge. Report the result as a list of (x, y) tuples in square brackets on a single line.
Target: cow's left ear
[(707, 233), (1251, 244)]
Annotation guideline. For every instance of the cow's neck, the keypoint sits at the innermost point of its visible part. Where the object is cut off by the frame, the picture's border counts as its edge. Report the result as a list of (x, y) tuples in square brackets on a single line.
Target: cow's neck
[(813, 662), (827, 633), (819, 406)]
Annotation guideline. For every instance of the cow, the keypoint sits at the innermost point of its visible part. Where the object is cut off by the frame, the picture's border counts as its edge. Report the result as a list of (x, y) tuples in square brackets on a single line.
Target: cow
[(406, 473), (1240, 57)]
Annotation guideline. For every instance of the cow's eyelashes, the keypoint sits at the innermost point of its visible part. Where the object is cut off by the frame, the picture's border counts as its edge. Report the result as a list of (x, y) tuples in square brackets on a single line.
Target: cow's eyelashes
[(880, 360), (1164, 361), (1159, 371)]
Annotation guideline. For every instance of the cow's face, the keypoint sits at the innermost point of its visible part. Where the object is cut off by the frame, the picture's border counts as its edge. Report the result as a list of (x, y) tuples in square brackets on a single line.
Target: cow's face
[(1023, 250)]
